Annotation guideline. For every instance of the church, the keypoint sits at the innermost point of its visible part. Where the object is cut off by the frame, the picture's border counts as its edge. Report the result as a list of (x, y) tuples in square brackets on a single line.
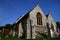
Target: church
[(34, 24)]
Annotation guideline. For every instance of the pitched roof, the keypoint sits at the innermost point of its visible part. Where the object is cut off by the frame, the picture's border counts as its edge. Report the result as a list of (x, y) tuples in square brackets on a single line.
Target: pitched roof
[(21, 17), (47, 15)]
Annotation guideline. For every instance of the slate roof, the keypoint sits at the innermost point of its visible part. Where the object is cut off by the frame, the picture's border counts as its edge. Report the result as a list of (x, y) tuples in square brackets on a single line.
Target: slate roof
[(27, 14), (21, 17)]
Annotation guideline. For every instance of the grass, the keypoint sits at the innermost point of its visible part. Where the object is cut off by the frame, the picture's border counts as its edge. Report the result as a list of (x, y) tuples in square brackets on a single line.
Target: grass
[(10, 38), (14, 38)]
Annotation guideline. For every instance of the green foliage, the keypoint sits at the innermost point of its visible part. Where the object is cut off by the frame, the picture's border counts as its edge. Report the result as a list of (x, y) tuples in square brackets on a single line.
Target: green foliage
[(1, 27), (12, 38), (15, 38), (8, 26), (58, 24)]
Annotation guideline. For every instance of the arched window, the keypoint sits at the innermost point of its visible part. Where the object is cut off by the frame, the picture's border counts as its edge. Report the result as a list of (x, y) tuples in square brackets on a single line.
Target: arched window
[(39, 19)]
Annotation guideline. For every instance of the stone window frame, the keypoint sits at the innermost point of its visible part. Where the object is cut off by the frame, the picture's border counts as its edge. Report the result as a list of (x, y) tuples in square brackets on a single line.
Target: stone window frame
[(39, 18)]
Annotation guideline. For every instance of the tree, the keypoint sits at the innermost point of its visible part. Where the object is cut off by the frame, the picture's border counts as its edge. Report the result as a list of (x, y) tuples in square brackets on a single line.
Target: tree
[(8, 26), (58, 24), (1, 27)]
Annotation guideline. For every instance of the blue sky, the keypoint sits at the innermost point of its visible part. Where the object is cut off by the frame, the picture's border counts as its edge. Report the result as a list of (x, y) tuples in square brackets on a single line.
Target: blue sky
[(10, 10)]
